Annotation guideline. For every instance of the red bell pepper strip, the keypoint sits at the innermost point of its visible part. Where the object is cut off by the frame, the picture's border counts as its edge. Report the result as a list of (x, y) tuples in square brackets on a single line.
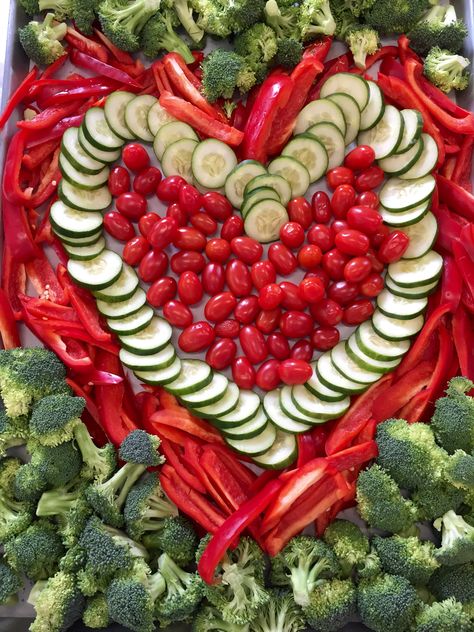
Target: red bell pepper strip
[(172, 455), (368, 432), (272, 99), (319, 435), (467, 239), (239, 116), (12, 190), (458, 199), (44, 309), (245, 476), (82, 92), (318, 50), (261, 480), (353, 457), (202, 122), (447, 169), (222, 479), (451, 285), (331, 67), (233, 527), (55, 132), (450, 227), (120, 55), (462, 170), (53, 68), (441, 99), (17, 232), (49, 117), (465, 265), (18, 96), (161, 78), (81, 392), (13, 280), (48, 184), (8, 328), (44, 280), (86, 45), (404, 50), (306, 451), (187, 423), (38, 154), (382, 53), (467, 299), (463, 335), (82, 60)]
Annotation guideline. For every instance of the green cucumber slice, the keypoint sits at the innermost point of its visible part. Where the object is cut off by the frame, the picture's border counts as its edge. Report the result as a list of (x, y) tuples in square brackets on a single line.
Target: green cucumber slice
[(293, 171), (224, 406), (162, 377), (75, 154), (104, 156), (317, 112), (149, 340), (288, 407), (397, 164), (274, 411), (248, 430), (316, 408), (178, 159), (73, 223), (257, 445), (98, 132), (97, 273), (283, 452), (169, 134), (333, 379), (400, 307), (209, 394), (405, 218), (376, 347), (279, 184), (401, 195), (80, 179), (246, 409), (123, 288), (412, 130), (333, 141), (415, 272), (311, 152), (264, 219), (315, 386), (157, 117), (365, 361), (238, 179), (351, 113), (410, 292), (426, 161), (212, 162), (128, 325), (84, 252), (263, 193), (136, 116), (195, 375), (124, 308), (395, 328), (350, 369), (422, 235), (114, 110), (347, 83), (152, 362), (82, 200), (375, 108), (384, 137)]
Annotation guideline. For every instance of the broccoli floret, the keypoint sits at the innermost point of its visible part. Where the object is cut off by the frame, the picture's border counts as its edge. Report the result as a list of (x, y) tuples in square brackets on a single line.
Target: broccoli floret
[(209, 619), (74, 560), (397, 16), (31, 7), (27, 375), (409, 557), (457, 542), (446, 70), (13, 431), (96, 613), (289, 53), (58, 605), (258, 45), (436, 498), (35, 552), (213, 17), (83, 13), (8, 471), (283, 20), (15, 516), (349, 544), (71, 509), (439, 27), (344, 18), (362, 40), (453, 419), (359, 7), (316, 19), (62, 9), (129, 600), (184, 12), (387, 603), (460, 470), (58, 466), (123, 21), (159, 35), (176, 537), (279, 614), (381, 504), (29, 483), (371, 566), (445, 616), (222, 72), (10, 584), (243, 14), (140, 450), (332, 605), (454, 581), (183, 594)]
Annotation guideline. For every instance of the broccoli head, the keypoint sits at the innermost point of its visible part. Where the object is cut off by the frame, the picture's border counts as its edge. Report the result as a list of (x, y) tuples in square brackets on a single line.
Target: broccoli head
[(74, 560), (70, 507), (460, 470), (439, 27), (445, 616), (387, 603), (258, 45), (176, 537), (359, 7), (29, 483), (455, 582), (183, 593), (409, 557), (344, 18), (332, 605), (83, 12), (349, 544), (279, 614), (8, 471), (447, 71), (289, 53), (362, 40), (159, 35), (96, 613), (222, 72), (13, 432), (31, 7), (457, 543), (436, 498), (10, 584), (396, 16), (453, 419), (54, 418), (283, 20), (15, 516), (58, 605), (123, 21), (213, 17), (316, 19), (209, 619), (62, 9), (371, 566), (58, 466), (129, 601)]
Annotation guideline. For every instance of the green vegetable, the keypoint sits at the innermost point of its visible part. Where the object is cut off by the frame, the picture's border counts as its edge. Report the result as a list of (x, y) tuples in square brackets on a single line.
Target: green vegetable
[(395, 16), (58, 605), (183, 594), (222, 72), (159, 35), (454, 581), (62, 9), (409, 557), (344, 18), (279, 614), (58, 466), (8, 470), (15, 516), (283, 20), (316, 19), (289, 53), (257, 45), (332, 605), (209, 618), (436, 498), (221, 18), (439, 27), (10, 584), (176, 537), (445, 616), (84, 13), (13, 431), (460, 470), (71, 509), (29, 483), (123, 20), (31, 7), (447, 71), (387, 603), (359, 7), (457, 544), (184, 12), (453, 419), (363, 41), (96, 613), (349, 544)]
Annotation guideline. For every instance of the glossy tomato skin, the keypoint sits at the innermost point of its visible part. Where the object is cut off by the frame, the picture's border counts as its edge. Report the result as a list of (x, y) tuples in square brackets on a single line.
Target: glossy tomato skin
[(267, 377), (188, 238), (292, 298), (320, 274), (220, 306), (247, 249), (294, 324), (292, 234), (163, 232), (217, 205), (358, 312), (327, 312), (119, 181), (282, 258), (372, 285), (189, 199), (293, 371), (262, 273), (132, 205), (118, 226), (228, 328), (135, 249), (343, 292), (334, 262), (352, 242), (311, 290), (268, 320), (357, 269), (339, 175), (253, 344), (325, 338), (369, 179), (309, 256), (243, 373), (135, 157), (218, 250), (270, 296), (247, 310), (153, 266), (362, 157), (300, 212), (162, 291), (147, 180), (321, 207), (187, 260), (221, 354), (176, 212), (278, 346), (146, 223), (238, 278), (368, 198), (378, 237), (213, 278), (342, 199), (393, 247), (204, 223), (168, 189), (364, 218), (190, 289), (232, 227), (322, 236), (377, 265), (196, 337), (302, 350), (338, 225), (177, 314)]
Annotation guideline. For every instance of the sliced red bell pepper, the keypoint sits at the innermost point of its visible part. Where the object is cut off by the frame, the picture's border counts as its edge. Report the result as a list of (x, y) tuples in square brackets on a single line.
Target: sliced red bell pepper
[(353, 457), (98, 90), (368, 432), (49, 182), (441, 99), (161, 78), (173, 457), (8, 327), (84, 44), (462, 170), (81, 392), (187, 423), (306, 451), (12, 189), (463, 335), (449, 227), (82, 60), (467, 300), (18, 96), (120, 55), (451, 285), (245, 476), (261, 480), (319, 435), (44, 280), (17, 232), (331, 67), (49, 117), (447, 169), (45, 309), (13, 280), (458, 199), (53, 68), (465, 265), (318, 50), (55, 133), (404, 50), (239, 116), (39, 153), (222, 479), (386, 52)]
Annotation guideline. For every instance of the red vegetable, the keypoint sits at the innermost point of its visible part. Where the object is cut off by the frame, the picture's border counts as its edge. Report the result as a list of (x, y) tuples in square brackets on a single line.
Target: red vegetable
[(18, 96), (101, 68)]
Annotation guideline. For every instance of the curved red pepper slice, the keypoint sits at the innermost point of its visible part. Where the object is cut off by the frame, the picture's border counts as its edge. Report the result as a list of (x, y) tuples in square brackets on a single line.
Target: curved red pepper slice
[(8, 327), (18, 96)]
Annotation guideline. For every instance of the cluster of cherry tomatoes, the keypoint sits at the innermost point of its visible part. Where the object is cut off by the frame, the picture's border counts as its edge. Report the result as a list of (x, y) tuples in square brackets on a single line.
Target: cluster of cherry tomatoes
[(339, 243)]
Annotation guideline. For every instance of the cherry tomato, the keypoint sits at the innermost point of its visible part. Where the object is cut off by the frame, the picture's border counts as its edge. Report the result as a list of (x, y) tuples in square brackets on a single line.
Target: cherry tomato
[(268, 320), (153, 266), (177, 314), (238, 278), (352, 242), (372, 285), (294, 324), (380, 234), (270, 296), (228, 328), (176, 212), (377, 265), (213, 278), (321, 207), (302, 350), (292, 234), (221, 354), (294, 371), (299, 211), (278, 346), (357, 269), (364, 218), (309, 257), (253, 344), (325, 338), (162, 291), (322, 236), (320, 274), (147, 180), (343, 292), (189, 199), (247, 249), (327, 312), (168, 189), (393, 247), (339, 175), (119, 181), (369, 179), (220, 306), (247, 310), (132, 205), (243, 373), (359, 158), (262, 273), (196, 337), (282, 258), (163, 232), (217, 205), (291, 296), (311, 290), (368, 198), (135, 157), (358, 312), (333, 262), (187, 260), (267, 377), (146, 223), (204, 223), (338, 225), (187, 238), (342, 199), (232, 227), (189, 288), (135, 249), (218, 250), (118, 226)]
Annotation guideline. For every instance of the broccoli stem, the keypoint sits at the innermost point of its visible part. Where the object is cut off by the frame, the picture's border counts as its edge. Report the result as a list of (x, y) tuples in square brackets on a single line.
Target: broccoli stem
[(56, 502), (303, 579), (122, 481), (185, 15), (156, 585)]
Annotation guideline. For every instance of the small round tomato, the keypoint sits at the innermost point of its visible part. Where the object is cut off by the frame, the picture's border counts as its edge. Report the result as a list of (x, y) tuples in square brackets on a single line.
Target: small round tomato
[(302, 350), (322, 236), (218, 250), (228, 328), (163, 233), (132, 205), (189, 288), (393, 247), (270, 296), (196, 337), (168, 189), (268, 320), (352, 242), (368, 198), (232, 227), (189, 199), (282, 258), (135, 249), (378, 237), (362, 157), (364, 218), (299, 211), (217, 205), (343, 292), (220, 306), (309, 257), (333, 262), (146, 223), (247, 249), (311, 290), (278, 346), (377, 265), (153, 266), (294, 371), (247, 310), (372, 285), (320, 274), (204, 223), (253, 344), (321, 207), (291, 296), (342, 199), (118, 226), (177, 314), (357, 269), (369, 179), (187, 238), (262, 273), (238, 278), (292, 234), (327, 312), (187, 260), (338, 225), (294, 324), (162, 291), (358, 312), (135, 157), (221, 354), (147, 180), (243, 373), (119, 181), (176, 212), (325, 338), (267, 377), (213, 278), (339, 175)]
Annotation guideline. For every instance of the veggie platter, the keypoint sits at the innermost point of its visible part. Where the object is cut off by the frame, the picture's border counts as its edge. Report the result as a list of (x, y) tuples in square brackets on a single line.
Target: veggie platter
[(244, 234)]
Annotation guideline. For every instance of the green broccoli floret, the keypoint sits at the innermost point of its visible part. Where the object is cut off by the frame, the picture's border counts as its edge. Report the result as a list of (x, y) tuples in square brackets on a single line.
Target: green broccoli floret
[(58, 605), (62, 9), (279, 614), (96, 613), (71, 509), (371, 566), (349, 544), (74, 560), (359, 7), (184, 12), (58, 466), (15, 516), (176, 537), (258, 45), (183, 594), (362, 40), (397, 16), (446, 70), (456, 582), (453, 419), (332, 605), (439, 27), (8, 471), (436, 498), (243, 14), (316, 19), (457, 542), (445, 616), (222, 72), (83, 13), (29, 483), (123, 21), (31, 7), (409, 557), (344, 18), (381, 504), (10, 584), (387, 603), (460, 470), (12, 433), (159, 35), (289, 53), (209, 619), (213, 17), (283, 20), (27, 375), (140, 450)]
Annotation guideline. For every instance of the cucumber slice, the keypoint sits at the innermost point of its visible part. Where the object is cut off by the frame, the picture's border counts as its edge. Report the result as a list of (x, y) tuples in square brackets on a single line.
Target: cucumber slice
[(212, 162), (315, 386), (401, 195), (321, 110), (293, 171), (169, 134), (330, 377), (249, 429), (397, 164), (351, 113), (264, 219), (105, 157), (316, 408), (97, 273), (153, 362), (311, 152), (422, 236), (375, 108), (238, 179), (78, 241), (288, 407), (129, 325), (178, 157), (82, 180), (136, 116), (150, 340), (73, 223), (274, 411), (384, 137), (395, 328), (194, 376), (157, 117), (333, 141), (426, 161), (415, 272), (257, 445), (412, 130), (161, 377), (376, 347), (400, 307), (350, 369), (405, 218), (75, 154), (123, 308), (224, 406), (98, 132), (85, 252), (279, 184), (282, 453), (82, 200), (114, 110), (365, 361), (123, 288), (347, 83), (246, 409), (263, 193), (209, 394), (419, 291)]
